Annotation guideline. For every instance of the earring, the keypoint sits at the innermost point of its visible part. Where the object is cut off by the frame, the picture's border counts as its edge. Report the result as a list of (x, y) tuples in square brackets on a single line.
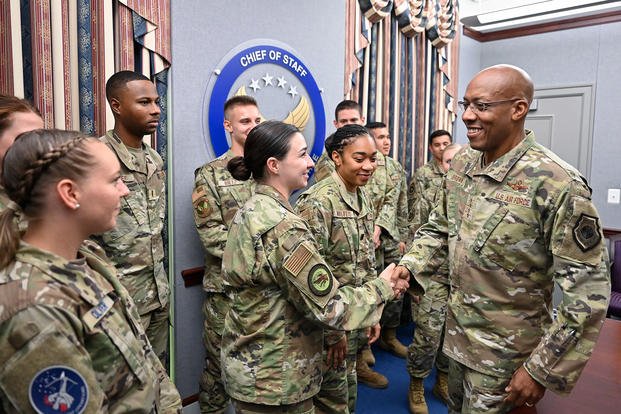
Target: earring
[(77, 206)]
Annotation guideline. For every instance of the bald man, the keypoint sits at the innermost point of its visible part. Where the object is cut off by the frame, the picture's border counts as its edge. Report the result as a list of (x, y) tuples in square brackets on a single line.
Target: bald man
[(513, 219)]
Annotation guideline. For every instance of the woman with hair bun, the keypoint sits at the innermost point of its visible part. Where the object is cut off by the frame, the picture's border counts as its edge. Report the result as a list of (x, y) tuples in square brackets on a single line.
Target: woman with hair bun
[(70, 335), (283, 292)]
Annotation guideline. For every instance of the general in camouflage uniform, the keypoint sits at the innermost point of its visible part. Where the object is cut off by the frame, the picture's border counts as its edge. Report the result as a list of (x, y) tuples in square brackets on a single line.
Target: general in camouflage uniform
[(73, 319), (283, 292), (510, 230), (216, 198), (135, 245), (342, 223)]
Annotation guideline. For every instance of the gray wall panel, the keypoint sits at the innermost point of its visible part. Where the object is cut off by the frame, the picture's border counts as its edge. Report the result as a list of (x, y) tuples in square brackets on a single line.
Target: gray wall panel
[(581, 56), (202, 34)]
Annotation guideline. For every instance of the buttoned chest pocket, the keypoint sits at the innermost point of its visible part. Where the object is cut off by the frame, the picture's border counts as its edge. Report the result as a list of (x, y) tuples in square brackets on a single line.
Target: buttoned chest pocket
[(344, 239), (133, 211), (118, 345), (506, 238)]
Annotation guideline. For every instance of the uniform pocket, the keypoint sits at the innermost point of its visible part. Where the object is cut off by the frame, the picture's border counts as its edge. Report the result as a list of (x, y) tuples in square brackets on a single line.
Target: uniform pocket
[(506, 237)]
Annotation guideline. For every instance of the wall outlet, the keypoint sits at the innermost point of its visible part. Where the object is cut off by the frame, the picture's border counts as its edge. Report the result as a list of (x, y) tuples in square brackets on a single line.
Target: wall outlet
[(614, 195)]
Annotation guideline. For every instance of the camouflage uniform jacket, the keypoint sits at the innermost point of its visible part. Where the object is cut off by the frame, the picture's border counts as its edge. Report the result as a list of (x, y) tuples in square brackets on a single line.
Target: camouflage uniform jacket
[(425, 182), (216, 198), (324, 166), (135, 245), (76, 316), (283, 295), (344, 234), (384, 196), (398, 180), (510, 230)]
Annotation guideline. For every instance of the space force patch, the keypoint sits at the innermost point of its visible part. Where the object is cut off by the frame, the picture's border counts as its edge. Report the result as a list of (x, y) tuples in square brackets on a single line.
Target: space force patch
[(586, 232), (320, 280), (58, 389)]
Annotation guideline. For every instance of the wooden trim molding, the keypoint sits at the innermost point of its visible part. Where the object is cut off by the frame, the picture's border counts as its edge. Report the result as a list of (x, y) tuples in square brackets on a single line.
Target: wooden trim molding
[(193, 277), (189, 400), (611, 232), (584, 21)]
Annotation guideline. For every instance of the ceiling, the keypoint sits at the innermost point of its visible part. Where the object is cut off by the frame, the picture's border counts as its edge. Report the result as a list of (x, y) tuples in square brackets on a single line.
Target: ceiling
[(493, 15)]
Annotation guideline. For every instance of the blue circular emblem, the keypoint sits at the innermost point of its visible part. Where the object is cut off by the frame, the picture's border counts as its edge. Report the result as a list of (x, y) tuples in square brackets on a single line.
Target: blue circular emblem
[(268, 54), (58, 389)]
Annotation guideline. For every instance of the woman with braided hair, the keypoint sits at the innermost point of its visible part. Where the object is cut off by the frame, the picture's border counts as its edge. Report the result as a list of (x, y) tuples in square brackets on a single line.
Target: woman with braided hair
[(70, 335)]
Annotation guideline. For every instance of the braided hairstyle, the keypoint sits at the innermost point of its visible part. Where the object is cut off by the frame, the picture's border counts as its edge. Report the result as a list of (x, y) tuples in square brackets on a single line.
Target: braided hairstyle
[(343, 137), (32, 165)]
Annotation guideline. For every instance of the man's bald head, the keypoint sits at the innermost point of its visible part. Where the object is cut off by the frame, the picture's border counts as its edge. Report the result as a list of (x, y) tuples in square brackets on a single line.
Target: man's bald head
[(508, 81)]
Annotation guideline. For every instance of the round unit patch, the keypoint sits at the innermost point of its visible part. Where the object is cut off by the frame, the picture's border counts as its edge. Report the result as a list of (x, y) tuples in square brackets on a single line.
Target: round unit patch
[(320, 280), (58, 389)]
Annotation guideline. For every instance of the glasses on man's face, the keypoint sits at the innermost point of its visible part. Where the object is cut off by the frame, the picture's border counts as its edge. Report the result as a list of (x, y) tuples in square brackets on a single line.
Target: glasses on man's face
[(478, 106)]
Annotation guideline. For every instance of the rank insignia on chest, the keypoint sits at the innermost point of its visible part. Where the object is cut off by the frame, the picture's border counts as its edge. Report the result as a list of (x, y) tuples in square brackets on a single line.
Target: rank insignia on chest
[(320, 280), (586, 232), (518, 185)]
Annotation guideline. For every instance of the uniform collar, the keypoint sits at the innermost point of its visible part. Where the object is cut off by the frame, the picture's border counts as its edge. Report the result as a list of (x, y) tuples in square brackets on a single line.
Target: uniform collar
[(62, 270), (273, 193), (346, 195), (123, 153), (499, 169)]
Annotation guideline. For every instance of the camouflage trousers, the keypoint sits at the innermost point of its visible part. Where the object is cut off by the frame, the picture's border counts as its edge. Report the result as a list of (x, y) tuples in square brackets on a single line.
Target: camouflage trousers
[(304, 407), (339, 387), (473, 392), (426, 347), (388, 253), (156, 325), (212, 397)]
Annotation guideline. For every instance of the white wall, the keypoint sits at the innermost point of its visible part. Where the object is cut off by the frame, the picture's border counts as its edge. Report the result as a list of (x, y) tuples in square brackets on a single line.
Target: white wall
[(581, 56)]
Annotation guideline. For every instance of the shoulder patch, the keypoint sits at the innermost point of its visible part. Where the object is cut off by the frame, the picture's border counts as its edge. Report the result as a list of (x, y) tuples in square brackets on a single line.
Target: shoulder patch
[(586, 232), (298, 259), (201, 202), (320, 280), (58, 389)]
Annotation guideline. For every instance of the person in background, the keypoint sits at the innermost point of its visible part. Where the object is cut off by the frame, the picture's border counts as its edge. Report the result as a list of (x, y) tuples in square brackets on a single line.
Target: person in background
[(16, 116), (391, 249), (283, 292), (216, 198), (346, 112), (70, 335), (135, 245), (426, 346), (514, 221)]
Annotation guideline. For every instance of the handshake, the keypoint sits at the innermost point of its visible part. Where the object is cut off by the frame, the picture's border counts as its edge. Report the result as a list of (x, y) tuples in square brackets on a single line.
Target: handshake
[(397, 277)]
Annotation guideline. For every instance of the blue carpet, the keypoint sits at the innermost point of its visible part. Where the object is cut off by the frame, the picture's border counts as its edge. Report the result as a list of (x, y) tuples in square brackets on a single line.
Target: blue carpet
[(394, 399)]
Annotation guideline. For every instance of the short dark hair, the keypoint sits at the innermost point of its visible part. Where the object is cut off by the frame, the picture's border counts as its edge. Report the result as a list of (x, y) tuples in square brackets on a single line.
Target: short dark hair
[(119, 80), (375, 125), (439, 133), (268, 139), (346, 104), (239, 100), (344, 136)]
